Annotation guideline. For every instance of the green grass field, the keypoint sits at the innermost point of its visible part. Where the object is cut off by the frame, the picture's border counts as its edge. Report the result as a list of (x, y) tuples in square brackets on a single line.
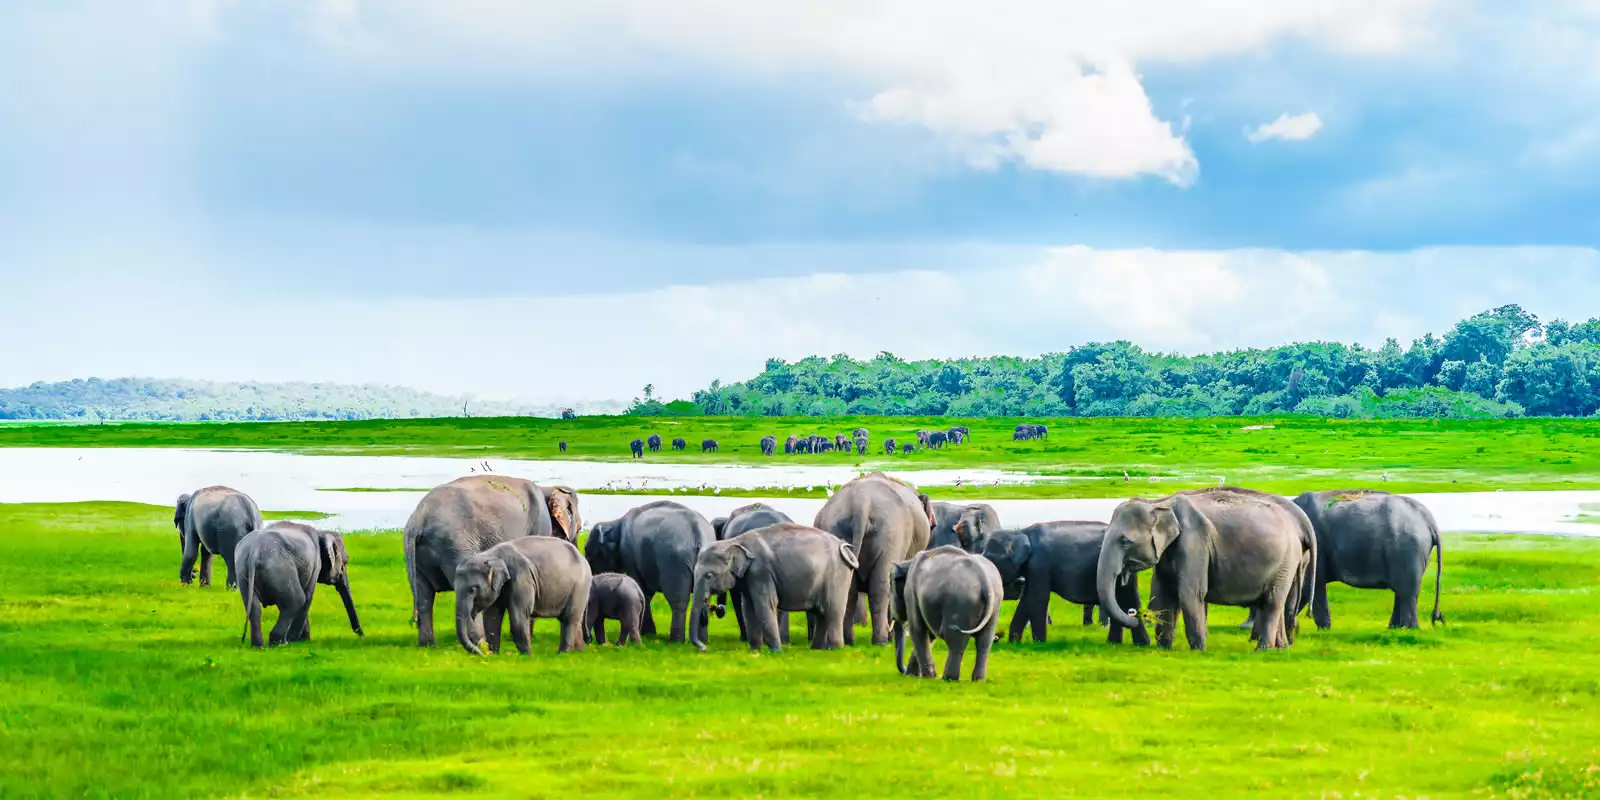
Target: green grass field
[(1083, 457), (115, 681)]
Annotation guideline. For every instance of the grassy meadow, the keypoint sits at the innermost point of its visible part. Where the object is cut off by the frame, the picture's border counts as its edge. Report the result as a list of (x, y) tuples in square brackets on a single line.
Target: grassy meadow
[(115, 681), (1084, 457)]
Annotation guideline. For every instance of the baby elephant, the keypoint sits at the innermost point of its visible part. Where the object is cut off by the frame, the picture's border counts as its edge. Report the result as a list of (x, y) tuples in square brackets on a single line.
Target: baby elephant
[(531, 577), (950, 594), (613, 595), (785, 567), (281, 565)]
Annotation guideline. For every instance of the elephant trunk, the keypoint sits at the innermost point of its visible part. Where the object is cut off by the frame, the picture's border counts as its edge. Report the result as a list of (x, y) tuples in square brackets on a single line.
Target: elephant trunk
[(349, 604), (699, 619), (464, 626), (900, 647), (1106, 576)]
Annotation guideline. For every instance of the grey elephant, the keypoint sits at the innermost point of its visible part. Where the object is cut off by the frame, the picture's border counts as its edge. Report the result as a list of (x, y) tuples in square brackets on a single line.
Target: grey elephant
[(961, 526), (908, 448), (563, 445), (1217, 546), (861, 445), (937, 439), (655, 443), (860, 433), (887, 521), (790, 445), (637, 446), (281, 565), (613, 595), (467, 516), (1374, 540), (960, 434), (1058, 558), (656, 544), (525, 579), (842, 442), (950, 594), (679, 444), (922, 438), (708, 446), (888, 446), (565, 522), (779, 568), (739, 522), (211, 522), (769, 445)]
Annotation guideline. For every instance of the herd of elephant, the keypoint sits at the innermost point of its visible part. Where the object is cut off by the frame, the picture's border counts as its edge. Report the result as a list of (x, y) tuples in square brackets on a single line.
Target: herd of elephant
[(857, 442), (509, 547)]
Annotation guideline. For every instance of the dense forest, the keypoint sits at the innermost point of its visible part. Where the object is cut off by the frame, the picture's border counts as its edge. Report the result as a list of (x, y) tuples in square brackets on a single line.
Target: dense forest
[(149, 399), (1500, 363)]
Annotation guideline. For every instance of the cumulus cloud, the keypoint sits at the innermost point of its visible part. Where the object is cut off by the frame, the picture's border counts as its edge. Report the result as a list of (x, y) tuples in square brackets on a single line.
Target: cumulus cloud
[(1288, 128)]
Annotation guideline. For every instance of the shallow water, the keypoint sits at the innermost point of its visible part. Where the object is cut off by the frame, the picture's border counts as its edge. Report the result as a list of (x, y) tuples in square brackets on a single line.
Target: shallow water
[(284, 481)]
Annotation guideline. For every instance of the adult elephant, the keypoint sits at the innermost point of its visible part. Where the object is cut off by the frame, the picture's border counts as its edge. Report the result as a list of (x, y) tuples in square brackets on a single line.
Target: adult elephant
[(1374, 540), (1219, 546), (789, 445), (1058, 558), (467, 516), (655, 544), (842, 442), (637, 446), (769, 445), (679, 444), (655, 443), (960, 434), (861, 445), (741, 521), (937, 439), (888, 446), (887, 521), (210, 522), (961, 526), (708, 446), (860, 433)]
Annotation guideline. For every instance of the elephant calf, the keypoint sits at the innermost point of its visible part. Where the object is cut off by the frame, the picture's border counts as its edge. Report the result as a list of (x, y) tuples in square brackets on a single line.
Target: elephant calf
[(1060, 558), (945, 593), (281, 565), (613, 595), (784, 567), (536, 576)]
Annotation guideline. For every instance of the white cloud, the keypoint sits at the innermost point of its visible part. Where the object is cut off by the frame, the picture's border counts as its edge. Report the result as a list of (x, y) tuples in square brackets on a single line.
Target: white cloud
[(1295, 128)]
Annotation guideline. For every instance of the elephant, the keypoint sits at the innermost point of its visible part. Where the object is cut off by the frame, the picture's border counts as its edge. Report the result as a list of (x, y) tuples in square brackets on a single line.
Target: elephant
[(769, 445), (861, 445), (908, 448), (613, 595), (936, 440), (888, 446), (655, 443), (1218, 546), (842, 442), (825, 446), (467, 516), (779, 568), (563, 445), (211, 522), (742, 520), (281, 565), (789, 445), (527, 578), (860, 433), (1374, 540), (656, 545), (708, 446), (922, 438), (679, 444), (637, 446), (802, 445), (1059, 558), (950, 594), (960, 434), (965, 527), (886, 520)]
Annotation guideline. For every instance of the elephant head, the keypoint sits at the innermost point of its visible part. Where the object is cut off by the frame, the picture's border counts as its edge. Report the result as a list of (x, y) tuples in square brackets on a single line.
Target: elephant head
[(897, 611), (564, 520), (971, 529), (480, 580), (603, 550), (1139, 533), (335, 571), (1009, 551), (716, 570), (181, 514)]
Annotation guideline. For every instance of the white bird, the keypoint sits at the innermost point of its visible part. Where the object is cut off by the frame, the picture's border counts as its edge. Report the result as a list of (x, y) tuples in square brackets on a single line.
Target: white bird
[(717, 490)]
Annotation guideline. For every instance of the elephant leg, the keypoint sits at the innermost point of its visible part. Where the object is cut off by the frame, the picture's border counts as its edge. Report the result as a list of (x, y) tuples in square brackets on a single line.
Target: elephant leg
[(878, 588), (955, 644), (1272, 621), (756, 634), (1319, 611), (1127, 597), (494, 620), (291, 601), (767, 618), (254, 617), (1088, 615), (191, 552), (736, 597), (982, 644), (630, 630), (783, 627), (227, 562), (423, 597), (1194, 623), (571, 631), (600, 631), (680, 619), (1165, 605), (861, 614), (1405, 608), (206, 557), (852, 605), (648, 619), (521, 629), (922, 646), (1019, 621)]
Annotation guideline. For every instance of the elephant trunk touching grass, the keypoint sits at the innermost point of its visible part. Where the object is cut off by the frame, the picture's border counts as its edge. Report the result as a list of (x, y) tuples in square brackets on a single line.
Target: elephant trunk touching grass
[(343, 586), (1112, 569), (469, 626)]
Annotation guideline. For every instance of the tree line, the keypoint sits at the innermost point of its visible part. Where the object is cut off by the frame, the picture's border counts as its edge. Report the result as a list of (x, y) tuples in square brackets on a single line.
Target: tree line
[(1499, 363)]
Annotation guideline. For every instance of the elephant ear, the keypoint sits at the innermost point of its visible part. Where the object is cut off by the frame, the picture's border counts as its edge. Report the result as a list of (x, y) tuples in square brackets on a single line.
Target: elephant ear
[(1021, 550), (562, 523), (182, 511), (505, 570), (332, 565), (1180, 519), (740, 566)]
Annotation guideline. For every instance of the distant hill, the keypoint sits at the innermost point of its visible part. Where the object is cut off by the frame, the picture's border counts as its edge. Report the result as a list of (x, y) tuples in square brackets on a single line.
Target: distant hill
[(184, 400)]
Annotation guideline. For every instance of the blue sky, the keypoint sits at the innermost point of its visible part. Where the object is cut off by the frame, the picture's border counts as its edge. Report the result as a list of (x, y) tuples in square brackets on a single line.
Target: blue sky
[(610, 178)]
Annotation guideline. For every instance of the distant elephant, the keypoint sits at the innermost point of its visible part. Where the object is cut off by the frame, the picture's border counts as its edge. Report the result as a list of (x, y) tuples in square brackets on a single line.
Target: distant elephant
[(779, 568), (467, 516), (922, 438), (1374, 540), (825, 446), (741, 521), (860, 433), (281, 565), (708, 446), (613, 595), (961, 526), (1041, 432), (790, 445), (886, 521), (936, 440), (961, 431), (842, 442), (769, 445), (1218, 546), (637, 446), (802, 445), (655, 443), (950, 594), (213, 519), (656, 544), (908, 448), (679, 444), (1060, 558), (563, 445), (888, 446), (861, 445), (527, 578)]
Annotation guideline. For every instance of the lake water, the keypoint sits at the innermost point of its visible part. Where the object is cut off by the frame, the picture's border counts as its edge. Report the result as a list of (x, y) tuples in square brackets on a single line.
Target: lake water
[(282, 481)]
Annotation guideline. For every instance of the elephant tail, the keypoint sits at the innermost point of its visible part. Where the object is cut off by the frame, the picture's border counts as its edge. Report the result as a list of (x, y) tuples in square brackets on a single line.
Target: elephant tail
[(847, 552), (411, 572), (991, 608), (1438, 573)]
